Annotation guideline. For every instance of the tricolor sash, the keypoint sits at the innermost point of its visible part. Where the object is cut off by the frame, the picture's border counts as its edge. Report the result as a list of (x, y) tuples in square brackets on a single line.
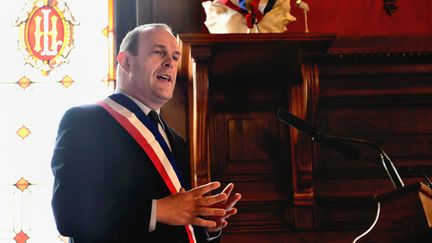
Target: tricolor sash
[(146, 134)]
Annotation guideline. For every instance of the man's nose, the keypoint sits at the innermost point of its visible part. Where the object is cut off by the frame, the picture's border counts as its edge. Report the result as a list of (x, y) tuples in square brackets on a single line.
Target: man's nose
[(168, 62)]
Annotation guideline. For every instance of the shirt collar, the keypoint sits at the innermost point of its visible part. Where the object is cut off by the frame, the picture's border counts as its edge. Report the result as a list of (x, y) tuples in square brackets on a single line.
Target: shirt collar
[(142, 106)]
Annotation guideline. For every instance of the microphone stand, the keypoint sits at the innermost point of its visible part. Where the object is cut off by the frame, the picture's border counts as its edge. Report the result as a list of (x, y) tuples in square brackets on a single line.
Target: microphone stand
[(337, 144), (386, 162)]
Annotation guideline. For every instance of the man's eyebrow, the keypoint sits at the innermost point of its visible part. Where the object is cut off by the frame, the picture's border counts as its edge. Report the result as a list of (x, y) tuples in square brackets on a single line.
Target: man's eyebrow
[(159, 46)]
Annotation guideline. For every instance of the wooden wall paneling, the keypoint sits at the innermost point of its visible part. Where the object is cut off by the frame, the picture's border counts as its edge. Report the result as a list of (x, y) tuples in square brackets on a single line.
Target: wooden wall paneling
[(184, 16), (377, 89), (125, 19)]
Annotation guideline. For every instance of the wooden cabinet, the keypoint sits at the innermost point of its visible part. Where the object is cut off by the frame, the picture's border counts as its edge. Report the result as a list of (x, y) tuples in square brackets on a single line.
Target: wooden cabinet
[(236, 83)]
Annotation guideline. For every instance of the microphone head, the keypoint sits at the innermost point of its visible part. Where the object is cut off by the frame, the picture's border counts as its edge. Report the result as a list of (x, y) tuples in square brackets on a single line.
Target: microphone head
[(302, 5), (289, 119)]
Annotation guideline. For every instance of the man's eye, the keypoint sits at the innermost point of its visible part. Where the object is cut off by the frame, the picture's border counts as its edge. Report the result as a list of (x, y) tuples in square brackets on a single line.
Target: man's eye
[(158, 52)]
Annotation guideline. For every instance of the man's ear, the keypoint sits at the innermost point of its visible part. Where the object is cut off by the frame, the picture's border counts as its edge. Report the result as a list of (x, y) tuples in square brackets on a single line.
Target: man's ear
[(124, 61)]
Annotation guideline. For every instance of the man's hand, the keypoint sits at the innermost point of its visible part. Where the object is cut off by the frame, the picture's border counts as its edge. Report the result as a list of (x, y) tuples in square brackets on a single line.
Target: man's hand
[(228, 205), (185, 207)]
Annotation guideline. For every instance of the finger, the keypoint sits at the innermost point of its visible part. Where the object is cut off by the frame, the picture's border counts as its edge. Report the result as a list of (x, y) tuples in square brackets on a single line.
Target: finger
[(218, 220), (228, 189), (219, 225), (203, 189), (233, 200), (203, 223), (211, 200), (230, 213), (224, 224), (215, 212)]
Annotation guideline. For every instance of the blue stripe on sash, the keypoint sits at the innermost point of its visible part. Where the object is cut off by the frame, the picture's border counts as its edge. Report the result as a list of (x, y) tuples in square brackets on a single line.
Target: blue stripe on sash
[(242, 4), (134, 108)]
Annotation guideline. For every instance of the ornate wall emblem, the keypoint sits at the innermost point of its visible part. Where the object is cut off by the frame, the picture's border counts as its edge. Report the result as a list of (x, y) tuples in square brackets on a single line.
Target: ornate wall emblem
[(46, 33)]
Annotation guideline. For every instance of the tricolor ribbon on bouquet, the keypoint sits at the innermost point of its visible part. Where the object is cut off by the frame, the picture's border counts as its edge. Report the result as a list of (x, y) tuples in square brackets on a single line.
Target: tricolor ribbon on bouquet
[(247, 16), (249, 9)]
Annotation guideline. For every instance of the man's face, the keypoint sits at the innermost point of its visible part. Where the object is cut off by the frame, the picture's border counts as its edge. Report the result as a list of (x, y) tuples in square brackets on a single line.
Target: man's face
[(153, 70)]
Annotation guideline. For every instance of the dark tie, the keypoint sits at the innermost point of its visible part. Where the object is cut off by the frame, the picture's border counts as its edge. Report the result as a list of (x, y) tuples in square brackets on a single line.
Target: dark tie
[(154, 117)]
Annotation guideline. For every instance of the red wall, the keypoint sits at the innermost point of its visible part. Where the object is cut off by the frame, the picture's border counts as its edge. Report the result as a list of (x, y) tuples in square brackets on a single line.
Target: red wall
[(364, 17)]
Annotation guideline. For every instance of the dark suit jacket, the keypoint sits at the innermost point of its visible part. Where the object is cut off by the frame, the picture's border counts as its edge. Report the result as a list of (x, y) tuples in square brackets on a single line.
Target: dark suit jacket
[(104, 182)]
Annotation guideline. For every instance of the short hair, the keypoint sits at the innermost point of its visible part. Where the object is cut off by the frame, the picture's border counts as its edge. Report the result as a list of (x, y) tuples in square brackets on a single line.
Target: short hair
[(130, 41)]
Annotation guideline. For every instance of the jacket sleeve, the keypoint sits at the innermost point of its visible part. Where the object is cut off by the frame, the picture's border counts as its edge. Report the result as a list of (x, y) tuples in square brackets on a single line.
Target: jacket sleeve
[(81, 209)]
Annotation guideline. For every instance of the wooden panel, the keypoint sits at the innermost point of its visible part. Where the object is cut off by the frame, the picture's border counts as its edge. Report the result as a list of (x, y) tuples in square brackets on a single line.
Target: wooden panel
[(252, 137), (404, 216), (249, 150), (261, 217), (380, 93), (392, 110), (345, 213)]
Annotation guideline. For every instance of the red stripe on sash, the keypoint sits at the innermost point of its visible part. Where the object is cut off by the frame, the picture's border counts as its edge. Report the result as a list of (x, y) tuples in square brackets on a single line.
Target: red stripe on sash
[(133, 131)]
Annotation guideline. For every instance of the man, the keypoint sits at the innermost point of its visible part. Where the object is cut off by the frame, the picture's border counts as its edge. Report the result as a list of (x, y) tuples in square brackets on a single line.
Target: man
[(120, 175)]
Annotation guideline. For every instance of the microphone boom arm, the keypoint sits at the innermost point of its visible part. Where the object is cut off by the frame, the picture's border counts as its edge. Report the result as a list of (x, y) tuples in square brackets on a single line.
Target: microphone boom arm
[(385, 159), (335, 142)]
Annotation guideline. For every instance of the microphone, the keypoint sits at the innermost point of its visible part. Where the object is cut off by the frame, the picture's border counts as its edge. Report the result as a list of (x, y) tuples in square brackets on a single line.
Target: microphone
[(303, 126), (289, 119), (338, 143)]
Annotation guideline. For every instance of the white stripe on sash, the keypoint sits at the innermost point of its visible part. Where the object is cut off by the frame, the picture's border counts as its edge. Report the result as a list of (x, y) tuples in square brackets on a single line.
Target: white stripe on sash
[(149, 137)]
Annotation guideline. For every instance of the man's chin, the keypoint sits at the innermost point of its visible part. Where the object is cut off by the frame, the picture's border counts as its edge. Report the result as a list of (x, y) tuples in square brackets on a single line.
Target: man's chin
[(162, 99)]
